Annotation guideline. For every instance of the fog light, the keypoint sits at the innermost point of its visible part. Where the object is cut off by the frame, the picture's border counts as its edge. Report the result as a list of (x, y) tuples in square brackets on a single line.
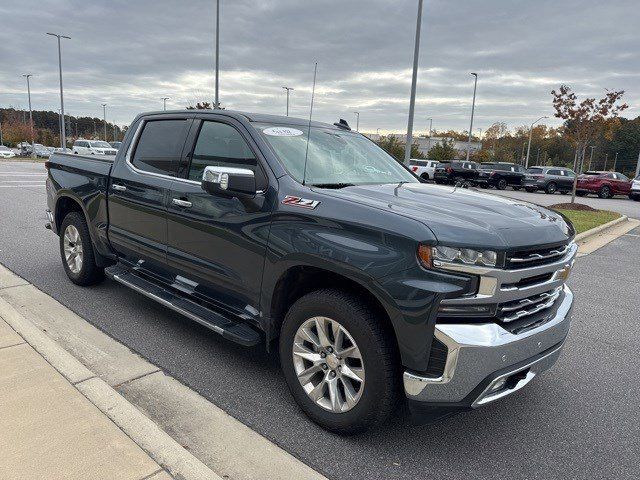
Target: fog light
[(467, 310)]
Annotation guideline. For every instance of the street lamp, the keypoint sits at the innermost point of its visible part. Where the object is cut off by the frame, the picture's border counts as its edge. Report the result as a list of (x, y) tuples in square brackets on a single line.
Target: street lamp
[(288, 89), (615, 161), (473, 106), (430, 126), (357, 121), (591, 156), (216, 105), (63, 134), (526, 165), (164, 102), (33, 152), (104, 119), (414, 81)]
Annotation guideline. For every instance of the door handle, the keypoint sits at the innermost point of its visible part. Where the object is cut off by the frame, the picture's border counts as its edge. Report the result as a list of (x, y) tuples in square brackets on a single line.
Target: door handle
[(181, 203), (119, 188)]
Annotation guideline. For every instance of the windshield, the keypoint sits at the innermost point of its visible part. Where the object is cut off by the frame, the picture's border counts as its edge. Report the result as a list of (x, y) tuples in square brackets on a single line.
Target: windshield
[(335, 157), (99, 144)]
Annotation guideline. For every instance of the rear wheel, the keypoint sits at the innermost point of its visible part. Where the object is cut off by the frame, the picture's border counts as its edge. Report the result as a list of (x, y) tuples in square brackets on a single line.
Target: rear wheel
[(76, 250), (424, 176), (339, 364), (551, 188), (605, 192)]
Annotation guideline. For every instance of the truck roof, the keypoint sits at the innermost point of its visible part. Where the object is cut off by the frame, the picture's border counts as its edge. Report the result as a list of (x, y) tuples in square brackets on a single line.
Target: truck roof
[(252, 117)]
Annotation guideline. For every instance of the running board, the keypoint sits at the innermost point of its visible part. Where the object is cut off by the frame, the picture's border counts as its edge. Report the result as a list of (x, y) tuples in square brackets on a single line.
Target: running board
[(234, 331)]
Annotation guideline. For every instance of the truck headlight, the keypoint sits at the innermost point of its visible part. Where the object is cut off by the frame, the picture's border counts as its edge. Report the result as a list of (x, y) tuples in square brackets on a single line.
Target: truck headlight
[(466, 256)]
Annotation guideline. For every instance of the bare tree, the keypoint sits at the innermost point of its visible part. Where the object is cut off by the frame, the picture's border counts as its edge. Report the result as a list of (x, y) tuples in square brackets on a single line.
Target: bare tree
[(584, 120)]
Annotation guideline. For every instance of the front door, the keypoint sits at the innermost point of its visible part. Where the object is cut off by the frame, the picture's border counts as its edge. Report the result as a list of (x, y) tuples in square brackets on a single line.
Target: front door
[(217, 244), (138, 191)]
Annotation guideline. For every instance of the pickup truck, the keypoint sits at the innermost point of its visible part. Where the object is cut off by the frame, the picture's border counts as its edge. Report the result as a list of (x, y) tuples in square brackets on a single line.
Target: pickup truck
[(375, 287)]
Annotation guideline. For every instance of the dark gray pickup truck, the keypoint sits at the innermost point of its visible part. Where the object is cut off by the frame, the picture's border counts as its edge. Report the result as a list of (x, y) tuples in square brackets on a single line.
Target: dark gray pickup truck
[(377, 288)]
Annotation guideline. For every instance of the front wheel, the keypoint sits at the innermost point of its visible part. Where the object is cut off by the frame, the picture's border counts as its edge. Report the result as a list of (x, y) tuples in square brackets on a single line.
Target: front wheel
[(76, 250), (502, 184), (551, 188), (339, 363)]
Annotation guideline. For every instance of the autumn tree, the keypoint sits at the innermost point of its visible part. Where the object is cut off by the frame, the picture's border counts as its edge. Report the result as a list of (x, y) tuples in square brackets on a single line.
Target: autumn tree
[(395, 148), (442, 151), (584, 120)]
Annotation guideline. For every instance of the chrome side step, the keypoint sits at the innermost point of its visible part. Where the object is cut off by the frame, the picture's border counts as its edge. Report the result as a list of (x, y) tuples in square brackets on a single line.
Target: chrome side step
[(234, 331)]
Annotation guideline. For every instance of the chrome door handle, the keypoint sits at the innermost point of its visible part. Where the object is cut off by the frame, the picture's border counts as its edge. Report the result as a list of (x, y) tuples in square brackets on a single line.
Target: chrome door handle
[(119, 188), (181, 203)]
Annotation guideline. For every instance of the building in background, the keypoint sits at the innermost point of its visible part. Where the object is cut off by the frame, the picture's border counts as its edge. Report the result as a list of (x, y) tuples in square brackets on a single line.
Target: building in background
[(425, 143)]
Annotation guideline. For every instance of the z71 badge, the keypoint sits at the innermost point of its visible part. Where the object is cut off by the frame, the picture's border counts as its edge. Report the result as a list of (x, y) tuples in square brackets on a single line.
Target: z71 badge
[(300, 202)]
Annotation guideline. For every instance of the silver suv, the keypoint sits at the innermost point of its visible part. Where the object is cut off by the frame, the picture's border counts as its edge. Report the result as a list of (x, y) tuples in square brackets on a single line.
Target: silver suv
[(549, 179)]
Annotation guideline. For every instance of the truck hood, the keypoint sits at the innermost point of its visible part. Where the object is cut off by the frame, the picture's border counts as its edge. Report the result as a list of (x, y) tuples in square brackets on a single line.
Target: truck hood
[(464, 217)]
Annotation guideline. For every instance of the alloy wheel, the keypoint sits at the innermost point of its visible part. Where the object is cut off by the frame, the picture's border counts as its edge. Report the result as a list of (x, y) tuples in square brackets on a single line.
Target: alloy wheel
[(328, 364), (73, 253)]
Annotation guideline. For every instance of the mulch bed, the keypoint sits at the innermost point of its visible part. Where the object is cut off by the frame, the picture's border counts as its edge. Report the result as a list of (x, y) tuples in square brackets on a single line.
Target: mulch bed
[(573, 206)]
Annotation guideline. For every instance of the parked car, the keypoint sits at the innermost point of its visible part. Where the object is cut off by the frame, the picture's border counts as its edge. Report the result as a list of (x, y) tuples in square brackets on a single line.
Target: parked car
[(423, 168), (92, 147), (41, 151), (635, 189), (6, 152), (500, 175), (604, 184), (549, 179), (375, 286), (115, 145), (456, 172)]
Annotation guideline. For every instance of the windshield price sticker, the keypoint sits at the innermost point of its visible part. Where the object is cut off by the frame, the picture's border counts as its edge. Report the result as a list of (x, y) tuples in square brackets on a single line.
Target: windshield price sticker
[(282, 132)]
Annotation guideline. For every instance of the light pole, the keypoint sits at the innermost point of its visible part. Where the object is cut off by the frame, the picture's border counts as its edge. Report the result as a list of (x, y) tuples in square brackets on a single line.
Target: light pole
[(430, 126), (615, 161), (606, 157), (1, 141), (637, 167), (591, 156), (480, 136), (288, 89), (357, 121), (104, 119), (63, 134), (33, 152), (164, 102), (473, 106), (217, 102), (414, 81), (526, 165)]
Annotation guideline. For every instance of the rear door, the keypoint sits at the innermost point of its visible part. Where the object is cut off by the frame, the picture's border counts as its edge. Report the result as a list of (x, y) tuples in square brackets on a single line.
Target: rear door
[(138, 191), (622, 184), (217, 244)]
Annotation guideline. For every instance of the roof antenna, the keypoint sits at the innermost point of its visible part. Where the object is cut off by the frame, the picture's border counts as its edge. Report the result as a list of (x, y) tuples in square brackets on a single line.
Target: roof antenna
[(306, 153)]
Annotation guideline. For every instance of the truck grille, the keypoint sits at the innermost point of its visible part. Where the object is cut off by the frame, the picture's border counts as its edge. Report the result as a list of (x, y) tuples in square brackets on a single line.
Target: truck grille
[(514, 310), (532, 258)]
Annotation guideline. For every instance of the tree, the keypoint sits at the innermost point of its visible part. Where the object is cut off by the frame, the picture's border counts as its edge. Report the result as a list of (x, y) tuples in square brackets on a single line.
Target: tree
[(200, 106), (584, 120), (395, 148), (442, 151)]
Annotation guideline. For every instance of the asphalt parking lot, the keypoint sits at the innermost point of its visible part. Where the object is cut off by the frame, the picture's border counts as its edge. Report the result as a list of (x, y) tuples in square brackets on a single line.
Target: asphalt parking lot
[(580, 420)]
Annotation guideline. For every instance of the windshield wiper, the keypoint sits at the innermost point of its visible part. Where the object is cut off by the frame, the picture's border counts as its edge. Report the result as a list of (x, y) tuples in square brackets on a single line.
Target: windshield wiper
[(332, 185)]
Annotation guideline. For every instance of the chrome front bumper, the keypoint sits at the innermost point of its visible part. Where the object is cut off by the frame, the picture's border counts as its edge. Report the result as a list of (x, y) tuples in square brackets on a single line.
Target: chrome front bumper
[(484, 356)]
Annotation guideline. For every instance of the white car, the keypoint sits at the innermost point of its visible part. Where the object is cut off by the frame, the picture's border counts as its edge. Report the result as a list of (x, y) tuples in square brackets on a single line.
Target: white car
[(423, 168), (93, 147), (6, 152), (635, 189)]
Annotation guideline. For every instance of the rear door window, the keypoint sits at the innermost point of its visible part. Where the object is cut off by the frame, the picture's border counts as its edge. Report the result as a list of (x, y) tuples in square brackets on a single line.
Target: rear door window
[(160, 145)]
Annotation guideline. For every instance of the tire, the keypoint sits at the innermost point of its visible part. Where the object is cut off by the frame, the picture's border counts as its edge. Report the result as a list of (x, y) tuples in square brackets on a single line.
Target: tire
[(74, 232), (376, 394), (635, 197), (551, 188), (502, 184), (530, 190), (605, 192), (424, 176)]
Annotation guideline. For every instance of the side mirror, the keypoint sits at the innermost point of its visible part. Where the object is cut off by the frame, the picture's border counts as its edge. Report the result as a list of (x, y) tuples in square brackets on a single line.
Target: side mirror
[(229, 181)]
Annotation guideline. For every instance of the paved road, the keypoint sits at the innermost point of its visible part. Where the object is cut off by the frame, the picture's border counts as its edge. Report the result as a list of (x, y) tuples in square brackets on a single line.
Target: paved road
[(580, 420)]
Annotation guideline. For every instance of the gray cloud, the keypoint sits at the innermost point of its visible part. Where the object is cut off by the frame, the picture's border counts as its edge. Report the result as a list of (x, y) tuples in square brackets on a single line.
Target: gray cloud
[(130, 53)]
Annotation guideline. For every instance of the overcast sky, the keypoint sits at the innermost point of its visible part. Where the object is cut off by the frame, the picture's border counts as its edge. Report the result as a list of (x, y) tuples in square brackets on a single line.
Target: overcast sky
[(129, 54)]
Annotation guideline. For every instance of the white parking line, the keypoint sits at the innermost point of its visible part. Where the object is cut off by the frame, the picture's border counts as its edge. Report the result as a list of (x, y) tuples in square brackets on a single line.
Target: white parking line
[(23, 186), (17, 181)]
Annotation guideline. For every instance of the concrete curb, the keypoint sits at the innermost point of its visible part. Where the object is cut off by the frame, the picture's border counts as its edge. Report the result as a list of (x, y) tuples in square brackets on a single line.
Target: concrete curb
[(153, 440), (594, 231)]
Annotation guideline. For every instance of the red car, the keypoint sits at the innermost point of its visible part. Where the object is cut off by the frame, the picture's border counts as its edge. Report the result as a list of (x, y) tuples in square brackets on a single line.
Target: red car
[(604, 184)]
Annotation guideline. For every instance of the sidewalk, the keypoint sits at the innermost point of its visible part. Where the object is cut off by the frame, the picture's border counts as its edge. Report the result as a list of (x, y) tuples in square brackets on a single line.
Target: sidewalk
[(48, 429)]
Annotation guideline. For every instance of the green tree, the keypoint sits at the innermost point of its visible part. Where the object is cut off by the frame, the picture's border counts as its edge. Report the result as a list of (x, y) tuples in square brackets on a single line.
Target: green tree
[(394, 147), (442, 151)]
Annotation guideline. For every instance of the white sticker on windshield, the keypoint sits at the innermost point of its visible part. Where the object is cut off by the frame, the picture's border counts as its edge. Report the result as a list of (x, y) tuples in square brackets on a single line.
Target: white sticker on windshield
[(282, 132)]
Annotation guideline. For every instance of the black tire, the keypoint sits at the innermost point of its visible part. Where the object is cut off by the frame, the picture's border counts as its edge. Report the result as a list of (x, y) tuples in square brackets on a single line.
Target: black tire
[(605, 192), (635, 197), (89, 273), (530, 190), (424, 176), (551, 188), (502, 184), (380, 360)]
